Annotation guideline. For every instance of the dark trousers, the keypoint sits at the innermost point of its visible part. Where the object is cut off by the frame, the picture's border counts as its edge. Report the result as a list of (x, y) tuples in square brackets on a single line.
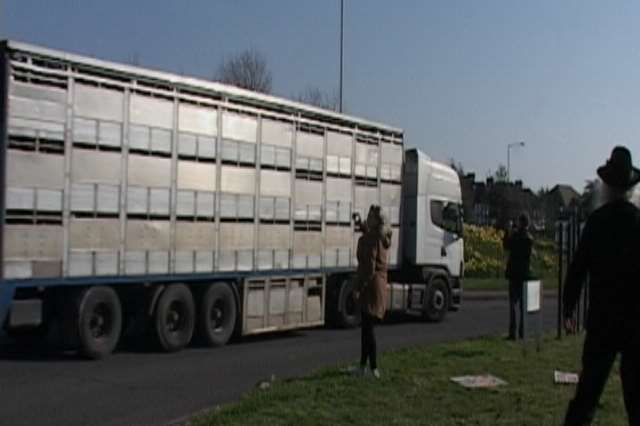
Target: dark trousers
[(515, 303), (368, 341), (599, 354)]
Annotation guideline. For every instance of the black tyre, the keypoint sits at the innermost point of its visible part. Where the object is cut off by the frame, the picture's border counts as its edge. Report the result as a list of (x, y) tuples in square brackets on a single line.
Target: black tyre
[(97, 322), (217, 315), (174, 318), (348, 314), (436, 300)]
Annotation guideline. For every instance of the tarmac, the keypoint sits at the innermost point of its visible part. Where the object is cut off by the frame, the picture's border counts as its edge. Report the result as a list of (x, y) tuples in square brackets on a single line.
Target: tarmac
[(499, 295)]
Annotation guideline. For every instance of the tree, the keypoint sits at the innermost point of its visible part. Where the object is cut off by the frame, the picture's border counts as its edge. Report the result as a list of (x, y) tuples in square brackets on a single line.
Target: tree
[(457, 166), (134, 59), (316, 97), (542, 192), (501, 174), (247, 70), (589, 195)]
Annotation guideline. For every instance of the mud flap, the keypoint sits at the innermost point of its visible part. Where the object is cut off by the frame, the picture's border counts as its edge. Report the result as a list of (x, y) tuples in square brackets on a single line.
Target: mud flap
[(6, 297)]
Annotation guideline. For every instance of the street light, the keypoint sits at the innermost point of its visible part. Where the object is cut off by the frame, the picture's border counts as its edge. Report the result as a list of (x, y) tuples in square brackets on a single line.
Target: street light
[(341, 50), (511, 145)]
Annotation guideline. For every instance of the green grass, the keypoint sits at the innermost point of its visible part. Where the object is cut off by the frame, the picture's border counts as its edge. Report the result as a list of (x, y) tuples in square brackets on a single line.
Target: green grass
[(482, 284), (415, 389), (500, 284)]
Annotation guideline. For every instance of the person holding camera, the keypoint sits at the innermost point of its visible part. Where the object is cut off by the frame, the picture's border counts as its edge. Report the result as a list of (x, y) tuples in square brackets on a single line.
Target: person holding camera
[(518, 242), (371, 282)]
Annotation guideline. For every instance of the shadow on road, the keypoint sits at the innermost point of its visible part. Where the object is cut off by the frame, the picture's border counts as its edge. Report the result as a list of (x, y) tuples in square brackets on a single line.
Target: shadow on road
[(11, 350), (49, 349)]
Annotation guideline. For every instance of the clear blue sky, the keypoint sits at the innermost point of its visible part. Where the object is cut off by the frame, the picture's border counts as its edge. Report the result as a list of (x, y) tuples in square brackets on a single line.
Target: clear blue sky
[(463, 78)]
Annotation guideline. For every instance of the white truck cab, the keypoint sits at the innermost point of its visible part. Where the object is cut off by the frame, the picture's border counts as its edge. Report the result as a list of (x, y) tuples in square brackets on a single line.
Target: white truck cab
[(428, 280), (432, 233), (433, 214)]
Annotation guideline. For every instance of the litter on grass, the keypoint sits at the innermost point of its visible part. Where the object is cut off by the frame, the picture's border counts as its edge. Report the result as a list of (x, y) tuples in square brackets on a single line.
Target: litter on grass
[(483, 381), (564, 378)]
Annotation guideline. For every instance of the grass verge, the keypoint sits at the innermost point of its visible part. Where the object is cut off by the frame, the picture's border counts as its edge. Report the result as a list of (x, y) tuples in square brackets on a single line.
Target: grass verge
[(415, 390), (485, 284), (501, 284)]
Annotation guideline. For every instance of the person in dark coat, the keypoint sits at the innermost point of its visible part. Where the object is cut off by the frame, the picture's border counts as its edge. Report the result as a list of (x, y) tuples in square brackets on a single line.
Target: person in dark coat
[(518, 243), (371, 283), (609, 253)]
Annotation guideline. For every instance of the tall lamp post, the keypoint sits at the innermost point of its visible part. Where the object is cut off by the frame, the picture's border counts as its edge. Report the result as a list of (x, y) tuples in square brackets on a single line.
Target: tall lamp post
[(511, 145), (341, 49)]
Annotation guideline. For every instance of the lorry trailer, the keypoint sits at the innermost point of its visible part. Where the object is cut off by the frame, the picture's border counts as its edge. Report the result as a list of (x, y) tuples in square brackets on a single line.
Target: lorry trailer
[(134, 199)]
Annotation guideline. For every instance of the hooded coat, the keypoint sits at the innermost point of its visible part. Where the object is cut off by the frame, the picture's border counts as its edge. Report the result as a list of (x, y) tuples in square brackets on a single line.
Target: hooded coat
[(372, 253)]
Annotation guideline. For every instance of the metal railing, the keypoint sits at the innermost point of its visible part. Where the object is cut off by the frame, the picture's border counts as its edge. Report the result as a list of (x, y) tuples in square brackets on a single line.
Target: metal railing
[(568, 232)]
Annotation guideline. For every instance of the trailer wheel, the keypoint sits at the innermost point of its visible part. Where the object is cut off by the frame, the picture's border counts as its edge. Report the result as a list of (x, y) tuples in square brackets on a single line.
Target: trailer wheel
[(174, 318), (348, 315), (217, 315), (437, 300), (98, 321)]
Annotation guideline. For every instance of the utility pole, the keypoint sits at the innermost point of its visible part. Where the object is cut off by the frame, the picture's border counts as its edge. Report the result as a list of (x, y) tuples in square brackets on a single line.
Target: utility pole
[(511, 145), (341, 48)]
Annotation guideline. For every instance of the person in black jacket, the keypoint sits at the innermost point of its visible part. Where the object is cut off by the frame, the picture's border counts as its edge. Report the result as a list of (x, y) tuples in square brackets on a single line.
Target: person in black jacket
[(519, 243), (609, 252)]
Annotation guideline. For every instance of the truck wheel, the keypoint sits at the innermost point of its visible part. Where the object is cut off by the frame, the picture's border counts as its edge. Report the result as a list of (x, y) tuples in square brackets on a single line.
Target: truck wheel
[(98, 322), (436, 300), (217, 315), (174, 318), (348, 315)]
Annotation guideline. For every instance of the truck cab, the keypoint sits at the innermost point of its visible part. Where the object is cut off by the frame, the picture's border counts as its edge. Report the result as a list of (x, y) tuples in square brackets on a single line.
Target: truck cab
[(427, 282), (433, 248), (432, 214)]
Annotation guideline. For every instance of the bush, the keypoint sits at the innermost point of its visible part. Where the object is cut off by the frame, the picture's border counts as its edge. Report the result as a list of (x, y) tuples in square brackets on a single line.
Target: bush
[(483, 252), (485, 257)]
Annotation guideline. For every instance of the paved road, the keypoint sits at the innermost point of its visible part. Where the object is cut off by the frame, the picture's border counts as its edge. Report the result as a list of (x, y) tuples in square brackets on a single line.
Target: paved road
[(134, 387)]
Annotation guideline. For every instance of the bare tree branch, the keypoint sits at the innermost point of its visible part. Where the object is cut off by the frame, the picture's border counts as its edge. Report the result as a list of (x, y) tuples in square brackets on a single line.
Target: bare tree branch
[(247, 70), (457, 166), (134, 59), (501, 175), (316, 97)]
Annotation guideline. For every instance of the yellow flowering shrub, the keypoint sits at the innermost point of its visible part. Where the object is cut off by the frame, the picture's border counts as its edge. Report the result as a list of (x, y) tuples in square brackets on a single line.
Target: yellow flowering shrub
[(483, 252), (485, 257)]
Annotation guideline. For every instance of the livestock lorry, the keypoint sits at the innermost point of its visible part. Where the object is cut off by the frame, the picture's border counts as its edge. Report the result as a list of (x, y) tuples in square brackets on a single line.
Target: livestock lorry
[(132, 199)]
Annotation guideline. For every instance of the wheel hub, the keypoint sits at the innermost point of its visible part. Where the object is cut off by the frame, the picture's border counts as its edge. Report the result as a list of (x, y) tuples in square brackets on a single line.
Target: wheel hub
[(350, 305), (438, 299), (174, 317), (99, 322), (217, 315)]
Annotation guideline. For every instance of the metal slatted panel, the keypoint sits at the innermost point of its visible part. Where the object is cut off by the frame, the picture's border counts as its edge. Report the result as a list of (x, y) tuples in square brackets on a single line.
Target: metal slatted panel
[(141, 150)]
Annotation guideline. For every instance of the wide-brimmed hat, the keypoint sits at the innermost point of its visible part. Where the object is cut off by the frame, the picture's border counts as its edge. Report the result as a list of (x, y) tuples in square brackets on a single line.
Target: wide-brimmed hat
[(619, 171)]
